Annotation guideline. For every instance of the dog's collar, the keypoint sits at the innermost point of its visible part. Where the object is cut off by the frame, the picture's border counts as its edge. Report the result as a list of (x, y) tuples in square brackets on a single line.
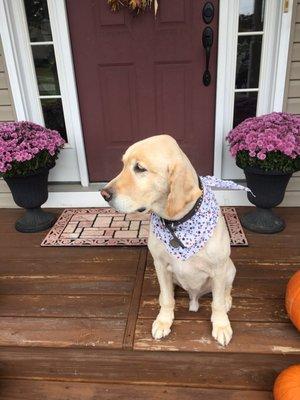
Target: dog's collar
[(171, 225)]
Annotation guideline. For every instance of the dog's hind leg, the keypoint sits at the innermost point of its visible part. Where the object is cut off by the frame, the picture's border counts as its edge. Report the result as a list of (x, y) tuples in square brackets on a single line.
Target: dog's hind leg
[(194, 300), (196, 294)]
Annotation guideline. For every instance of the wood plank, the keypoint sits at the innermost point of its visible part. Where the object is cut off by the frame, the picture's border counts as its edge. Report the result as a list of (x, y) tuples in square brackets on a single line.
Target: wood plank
[(98, 306), (208, 370), (287, 239), (263, 270), (3, 83), (294, 88), (61, 332), (247, 310), (293, 106), (34, 239), (297, 32), (297, 18), (5, 99), (295, 70), (267, 268), (70, 266), (195, 336), (257, 288), (296, 52), (22, 240), (13, 243), (135, 302), (31, 249), (67, 284), (274, 244), (36, 390), (1, 63), (243, 286), (270, 253), (65, 254), (9, 215), (253, 268), (6, 112)]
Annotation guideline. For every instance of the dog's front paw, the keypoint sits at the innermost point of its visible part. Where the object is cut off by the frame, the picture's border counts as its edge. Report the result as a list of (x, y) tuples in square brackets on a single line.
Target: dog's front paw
[(160, 329), (222, 333)]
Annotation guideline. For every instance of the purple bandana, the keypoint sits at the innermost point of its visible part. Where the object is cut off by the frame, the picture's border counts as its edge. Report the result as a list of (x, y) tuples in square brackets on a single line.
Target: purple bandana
[(196, 231)]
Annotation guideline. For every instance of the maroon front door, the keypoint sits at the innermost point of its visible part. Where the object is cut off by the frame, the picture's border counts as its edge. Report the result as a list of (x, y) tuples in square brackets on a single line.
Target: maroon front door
[(138, 76)]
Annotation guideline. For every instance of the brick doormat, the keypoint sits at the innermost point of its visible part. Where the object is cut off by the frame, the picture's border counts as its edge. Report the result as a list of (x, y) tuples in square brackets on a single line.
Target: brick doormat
[(107, 227)]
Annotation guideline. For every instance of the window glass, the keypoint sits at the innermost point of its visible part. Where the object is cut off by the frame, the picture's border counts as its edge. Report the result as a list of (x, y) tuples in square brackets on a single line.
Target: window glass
[(45, 64), (54, 116), (244, 106), (248, 61), (45, 68), (251, 15), (38, 20)]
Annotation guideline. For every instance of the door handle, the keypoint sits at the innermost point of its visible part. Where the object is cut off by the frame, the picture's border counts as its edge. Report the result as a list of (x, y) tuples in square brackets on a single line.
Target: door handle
[(207, 41)]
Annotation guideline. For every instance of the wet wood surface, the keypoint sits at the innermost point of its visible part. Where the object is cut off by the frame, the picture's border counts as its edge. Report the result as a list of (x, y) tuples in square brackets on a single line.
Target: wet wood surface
[(36, 390), (258, 315), (190, 369), (75, 322), (248, 337)]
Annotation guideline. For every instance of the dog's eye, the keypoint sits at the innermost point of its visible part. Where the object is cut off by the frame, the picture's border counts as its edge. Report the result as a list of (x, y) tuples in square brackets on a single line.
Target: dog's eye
[(138, 168)]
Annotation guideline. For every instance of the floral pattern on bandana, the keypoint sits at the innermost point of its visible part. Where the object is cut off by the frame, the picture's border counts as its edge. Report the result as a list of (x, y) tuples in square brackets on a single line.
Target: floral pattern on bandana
[(196, 231)]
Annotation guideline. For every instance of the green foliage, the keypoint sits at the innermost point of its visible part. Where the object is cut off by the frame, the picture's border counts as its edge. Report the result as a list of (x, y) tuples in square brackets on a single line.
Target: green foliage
[(274, 161)]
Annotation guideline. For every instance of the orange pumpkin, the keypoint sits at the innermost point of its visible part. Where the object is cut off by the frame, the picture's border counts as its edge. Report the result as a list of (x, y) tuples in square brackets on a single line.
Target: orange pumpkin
[(292, 299), (287, 384)]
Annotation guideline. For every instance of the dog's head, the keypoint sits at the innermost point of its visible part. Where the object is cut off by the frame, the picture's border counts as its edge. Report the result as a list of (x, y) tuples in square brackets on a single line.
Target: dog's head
[(156, 176)]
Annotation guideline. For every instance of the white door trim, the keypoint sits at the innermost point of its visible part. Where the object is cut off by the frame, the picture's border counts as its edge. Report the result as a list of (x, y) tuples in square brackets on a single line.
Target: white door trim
[(21, 73), (65, 67), (227, 48), (273, 65)]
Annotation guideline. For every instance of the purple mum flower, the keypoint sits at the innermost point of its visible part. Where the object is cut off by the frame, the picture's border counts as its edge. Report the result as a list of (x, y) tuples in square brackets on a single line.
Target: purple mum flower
[(267, 133), (23, 141)]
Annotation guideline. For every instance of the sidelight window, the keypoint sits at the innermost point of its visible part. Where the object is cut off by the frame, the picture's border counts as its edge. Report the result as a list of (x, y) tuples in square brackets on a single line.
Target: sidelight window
[(43, 55), (248, 61)]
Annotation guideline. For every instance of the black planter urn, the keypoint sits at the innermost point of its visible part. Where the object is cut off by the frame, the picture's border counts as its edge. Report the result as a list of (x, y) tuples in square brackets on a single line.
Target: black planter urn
[(269, 189), (30, 192)]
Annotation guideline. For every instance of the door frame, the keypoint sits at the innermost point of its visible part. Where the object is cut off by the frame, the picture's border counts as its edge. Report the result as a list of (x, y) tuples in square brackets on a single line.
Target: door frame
[(273, 67), (21, 72)]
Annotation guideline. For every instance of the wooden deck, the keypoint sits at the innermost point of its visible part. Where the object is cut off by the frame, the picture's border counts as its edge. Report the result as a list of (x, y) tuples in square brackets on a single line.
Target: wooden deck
[(75, 323)]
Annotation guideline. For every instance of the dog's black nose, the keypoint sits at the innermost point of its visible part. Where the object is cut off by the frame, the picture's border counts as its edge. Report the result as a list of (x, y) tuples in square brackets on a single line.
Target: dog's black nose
[(106, 194)]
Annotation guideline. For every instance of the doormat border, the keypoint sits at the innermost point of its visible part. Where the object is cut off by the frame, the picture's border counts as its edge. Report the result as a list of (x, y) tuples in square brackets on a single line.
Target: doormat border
[(55, 239)]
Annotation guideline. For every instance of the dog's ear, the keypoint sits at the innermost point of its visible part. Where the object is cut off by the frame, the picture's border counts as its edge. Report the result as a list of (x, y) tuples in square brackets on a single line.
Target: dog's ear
[(182, 189)]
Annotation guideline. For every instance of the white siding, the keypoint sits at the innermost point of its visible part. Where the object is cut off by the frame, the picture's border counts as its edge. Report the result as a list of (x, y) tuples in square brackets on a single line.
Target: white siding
[(7, 112), (292, 91)]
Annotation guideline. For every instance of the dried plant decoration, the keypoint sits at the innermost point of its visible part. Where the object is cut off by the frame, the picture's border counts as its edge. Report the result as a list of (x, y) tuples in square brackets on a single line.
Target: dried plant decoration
[(133, 5)]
